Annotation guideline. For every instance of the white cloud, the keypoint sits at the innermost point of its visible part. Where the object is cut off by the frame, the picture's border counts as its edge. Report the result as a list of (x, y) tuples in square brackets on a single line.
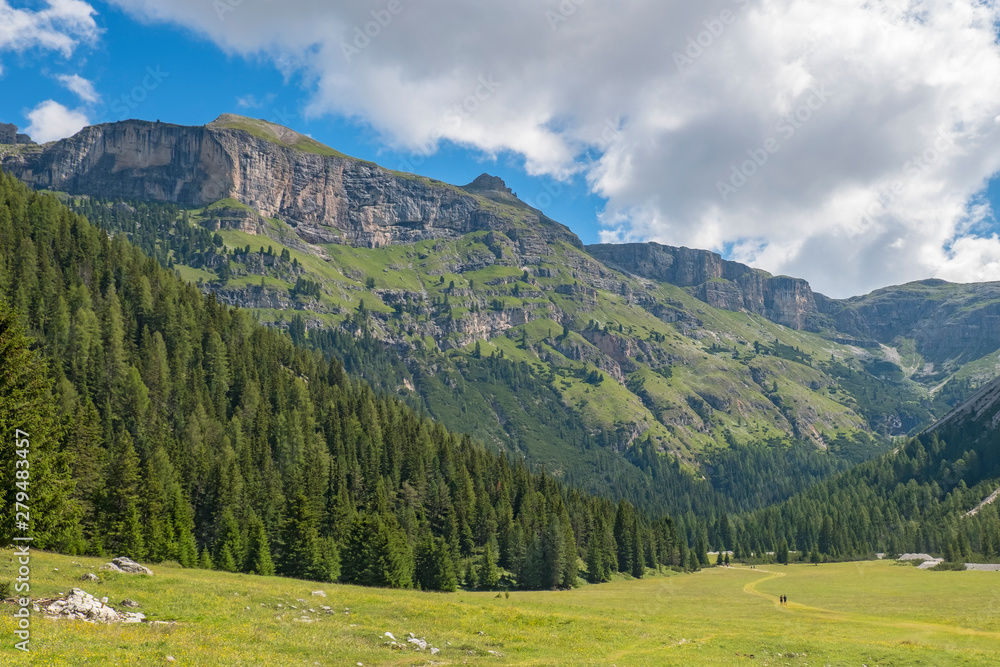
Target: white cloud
[(871, 184), (61, 26), (83, 88), (51, 121)]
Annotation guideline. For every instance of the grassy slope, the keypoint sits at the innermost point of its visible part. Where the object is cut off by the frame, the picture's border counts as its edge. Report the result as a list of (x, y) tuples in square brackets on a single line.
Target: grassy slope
[(840, 614), (719, 391), (418, 268)]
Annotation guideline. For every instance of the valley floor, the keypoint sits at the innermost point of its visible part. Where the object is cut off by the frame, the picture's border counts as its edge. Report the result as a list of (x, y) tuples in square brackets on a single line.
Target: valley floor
[(871, 613)]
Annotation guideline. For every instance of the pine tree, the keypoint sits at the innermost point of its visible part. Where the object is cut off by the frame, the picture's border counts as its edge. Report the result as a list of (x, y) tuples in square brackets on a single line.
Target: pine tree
[(376, 554), (205, 561), (471, 576), (489, 575), (302, 555), (229, 551), (120, 509), (26, 404), (434, 571), (258, 559), (781, 552)]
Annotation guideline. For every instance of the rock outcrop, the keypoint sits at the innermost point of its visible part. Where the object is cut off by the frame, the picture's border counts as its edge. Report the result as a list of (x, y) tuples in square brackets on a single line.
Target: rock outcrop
[(81, 605), (948, 323), (9, 135), (126, 566), (326, 196), (718, 282)]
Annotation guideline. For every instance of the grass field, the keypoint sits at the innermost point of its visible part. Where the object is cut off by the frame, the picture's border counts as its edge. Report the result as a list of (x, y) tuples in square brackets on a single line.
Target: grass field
[(875, 613)]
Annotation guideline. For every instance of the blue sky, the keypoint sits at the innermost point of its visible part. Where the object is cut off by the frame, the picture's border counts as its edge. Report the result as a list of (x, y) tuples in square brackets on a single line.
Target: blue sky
[(196, 81), (818, 140)]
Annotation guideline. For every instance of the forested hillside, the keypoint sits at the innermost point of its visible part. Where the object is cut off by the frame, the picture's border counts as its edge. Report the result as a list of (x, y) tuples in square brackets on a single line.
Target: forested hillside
[(922, 497), (535, 392), (167, 426)]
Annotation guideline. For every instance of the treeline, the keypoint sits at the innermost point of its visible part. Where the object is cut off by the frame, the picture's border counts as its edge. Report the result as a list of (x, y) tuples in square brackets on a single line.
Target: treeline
[(167, 426), (912, 500), (162, 231), (485, 395)]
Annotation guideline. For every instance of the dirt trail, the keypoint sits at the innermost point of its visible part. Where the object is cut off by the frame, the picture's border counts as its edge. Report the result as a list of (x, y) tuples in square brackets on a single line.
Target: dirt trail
[(831, 615)]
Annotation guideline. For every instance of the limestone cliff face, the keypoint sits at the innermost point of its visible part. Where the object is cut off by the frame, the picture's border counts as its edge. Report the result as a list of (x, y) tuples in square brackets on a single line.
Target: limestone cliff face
[(947, 322), (716, 281), (9, 135), (327, 197)]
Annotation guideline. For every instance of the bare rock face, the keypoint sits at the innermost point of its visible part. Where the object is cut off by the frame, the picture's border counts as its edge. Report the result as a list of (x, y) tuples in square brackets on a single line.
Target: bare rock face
[(716, 281), (9, 135), (327, 197), (948, 323)]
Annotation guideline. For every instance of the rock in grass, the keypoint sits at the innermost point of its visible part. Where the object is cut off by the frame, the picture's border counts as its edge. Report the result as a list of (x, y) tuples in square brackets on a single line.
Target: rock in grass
[(130, 566), (127, 602), (81, 605), (90, 576)]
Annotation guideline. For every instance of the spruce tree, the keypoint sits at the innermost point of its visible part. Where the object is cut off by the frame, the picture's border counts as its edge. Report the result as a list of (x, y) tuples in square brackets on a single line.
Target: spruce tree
[(781, 552), (435, 570), (26, 405), (489, 574), (258, 559), (376, 554), (302, 555), (120, 509), (229, 550)]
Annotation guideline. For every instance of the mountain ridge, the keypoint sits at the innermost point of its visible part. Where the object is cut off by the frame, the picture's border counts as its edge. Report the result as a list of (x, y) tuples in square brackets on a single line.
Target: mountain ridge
[(327, 196), (644, 348)]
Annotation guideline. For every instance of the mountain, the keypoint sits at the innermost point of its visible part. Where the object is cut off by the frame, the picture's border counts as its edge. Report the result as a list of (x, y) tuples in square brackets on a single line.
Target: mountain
[(934, 493), (159, 425), (718, 282), (324, 195), (608, 364)]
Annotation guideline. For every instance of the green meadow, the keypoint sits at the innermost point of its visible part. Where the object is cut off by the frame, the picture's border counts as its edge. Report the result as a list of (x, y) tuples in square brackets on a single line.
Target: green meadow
[(870, 613)]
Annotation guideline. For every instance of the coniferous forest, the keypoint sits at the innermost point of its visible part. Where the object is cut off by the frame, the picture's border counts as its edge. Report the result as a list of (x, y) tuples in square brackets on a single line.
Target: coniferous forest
[(167, 426)]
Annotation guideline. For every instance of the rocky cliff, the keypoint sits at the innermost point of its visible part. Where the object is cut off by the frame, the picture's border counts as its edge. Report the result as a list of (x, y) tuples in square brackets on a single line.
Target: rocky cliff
[(9, 135), (716, 281), (948, 323), (326, 196)]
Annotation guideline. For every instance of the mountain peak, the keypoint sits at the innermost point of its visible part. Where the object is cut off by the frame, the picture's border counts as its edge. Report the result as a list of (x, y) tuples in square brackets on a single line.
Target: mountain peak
[(272, 132), (487, 183)]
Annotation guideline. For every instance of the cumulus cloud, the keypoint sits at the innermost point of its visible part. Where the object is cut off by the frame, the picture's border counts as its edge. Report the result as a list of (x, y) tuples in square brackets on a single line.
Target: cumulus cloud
[(60, 26), (83, 88), (840, 141), (50, 121)]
